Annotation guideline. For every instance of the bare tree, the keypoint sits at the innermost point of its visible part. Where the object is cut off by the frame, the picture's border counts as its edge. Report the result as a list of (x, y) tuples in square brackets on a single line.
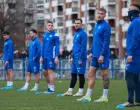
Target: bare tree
[(12, 19)]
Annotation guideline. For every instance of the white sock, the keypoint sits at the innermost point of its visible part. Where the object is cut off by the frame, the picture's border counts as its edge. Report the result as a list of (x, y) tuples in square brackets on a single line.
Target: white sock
[(49, 85), (52, 87), (80, 90), (36, 85), (105, 93), (70, 89), (10, 83), (26, 85), (89, 92)]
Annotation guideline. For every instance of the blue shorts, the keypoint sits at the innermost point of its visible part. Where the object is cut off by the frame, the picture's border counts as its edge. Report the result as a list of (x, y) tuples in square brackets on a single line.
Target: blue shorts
[(48, 64), (104, 65), (9, 65), (78, 69), (33, 67)]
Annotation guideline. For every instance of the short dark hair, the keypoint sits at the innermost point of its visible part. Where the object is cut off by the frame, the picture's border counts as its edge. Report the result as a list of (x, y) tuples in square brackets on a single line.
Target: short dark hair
[(6, 32), (50, 22), (79, 19), (136, 5), (34, 31), (102, 9)]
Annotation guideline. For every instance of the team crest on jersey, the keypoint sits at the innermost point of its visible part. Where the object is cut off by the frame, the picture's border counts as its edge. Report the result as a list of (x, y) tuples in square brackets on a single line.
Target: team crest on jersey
[(99, 27), (50, 62), (34, 68), (56, 35)]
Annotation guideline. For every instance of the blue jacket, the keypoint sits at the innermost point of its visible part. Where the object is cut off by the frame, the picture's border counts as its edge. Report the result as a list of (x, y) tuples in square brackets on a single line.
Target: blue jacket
[(8, 50), (133, 38), (34, 50), (80, 44), (101, 41), (50, 45)]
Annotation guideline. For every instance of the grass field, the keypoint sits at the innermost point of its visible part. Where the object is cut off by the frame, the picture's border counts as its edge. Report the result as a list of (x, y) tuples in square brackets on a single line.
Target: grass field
[(13, 100)]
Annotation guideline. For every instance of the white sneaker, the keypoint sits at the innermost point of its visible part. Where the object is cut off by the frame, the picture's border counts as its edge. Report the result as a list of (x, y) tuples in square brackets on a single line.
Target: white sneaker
[(102, 99), (78, 94), (68, 93), (81, 99), (24, 89), (34, 89)]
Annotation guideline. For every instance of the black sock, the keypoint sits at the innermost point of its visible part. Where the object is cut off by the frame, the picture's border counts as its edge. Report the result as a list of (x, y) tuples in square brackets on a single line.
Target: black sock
[(73, 80), (81, 80)]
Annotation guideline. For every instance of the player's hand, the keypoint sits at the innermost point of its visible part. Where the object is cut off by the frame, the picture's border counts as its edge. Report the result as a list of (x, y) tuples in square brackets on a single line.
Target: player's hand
[(101, 59), (56, 60), (129, 59), (6, 63), (89, 56), (41, 60), (71, 61)]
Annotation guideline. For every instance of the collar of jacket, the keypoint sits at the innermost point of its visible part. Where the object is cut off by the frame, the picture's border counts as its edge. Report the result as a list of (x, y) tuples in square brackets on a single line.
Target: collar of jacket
[(7, 39), (51, 31), (34, 38), (134, 17), (79, 29), (100, 21)]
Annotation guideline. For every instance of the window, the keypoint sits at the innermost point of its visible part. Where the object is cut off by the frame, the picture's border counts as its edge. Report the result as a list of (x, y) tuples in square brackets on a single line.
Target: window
[(47, 1)]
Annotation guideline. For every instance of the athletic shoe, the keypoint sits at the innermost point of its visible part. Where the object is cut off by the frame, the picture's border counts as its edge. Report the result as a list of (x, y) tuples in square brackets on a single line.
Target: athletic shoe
[(22, 89), (102, 99), (86, 100), (137, 103), (34, 89), (49, 92), (127, 104), (78, 94), (68, 93), (7, 87), (3, 88), (81, 99)]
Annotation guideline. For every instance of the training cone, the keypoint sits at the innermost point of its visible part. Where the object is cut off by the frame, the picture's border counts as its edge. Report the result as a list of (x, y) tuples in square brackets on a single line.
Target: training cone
[(120, 106), (60, 95), (38, 92)]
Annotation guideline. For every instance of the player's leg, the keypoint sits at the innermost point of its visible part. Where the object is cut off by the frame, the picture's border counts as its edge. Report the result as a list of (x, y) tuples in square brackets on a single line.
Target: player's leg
[(28, 77), (129, 77), (104, 97), (35, 71), (72, 81), (45, 72), (81, 69), (9, 71), (137, 89)]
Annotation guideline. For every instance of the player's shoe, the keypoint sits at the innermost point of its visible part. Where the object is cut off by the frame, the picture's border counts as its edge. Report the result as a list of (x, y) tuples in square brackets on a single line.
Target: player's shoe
[(6, 87), (81, 99), (34, 89), (22, 89), (87, 99), (128, 104), (137, 103), (102, 99), (78, 94), (68, 93), (48, 91), (3, 88)]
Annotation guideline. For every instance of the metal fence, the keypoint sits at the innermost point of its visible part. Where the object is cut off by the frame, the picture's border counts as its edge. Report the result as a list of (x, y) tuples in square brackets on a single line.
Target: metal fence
[(63, 71)]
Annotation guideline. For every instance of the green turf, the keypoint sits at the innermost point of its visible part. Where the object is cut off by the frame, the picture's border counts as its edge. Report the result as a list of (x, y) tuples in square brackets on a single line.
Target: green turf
[(13, 100)]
